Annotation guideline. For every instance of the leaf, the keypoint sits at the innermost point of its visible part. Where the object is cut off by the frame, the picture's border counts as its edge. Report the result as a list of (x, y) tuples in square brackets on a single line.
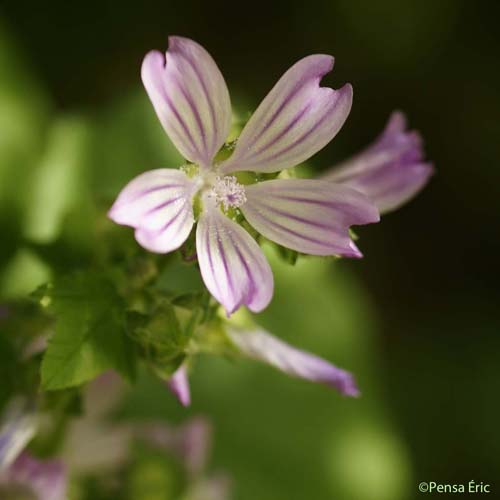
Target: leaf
[(90, 334)]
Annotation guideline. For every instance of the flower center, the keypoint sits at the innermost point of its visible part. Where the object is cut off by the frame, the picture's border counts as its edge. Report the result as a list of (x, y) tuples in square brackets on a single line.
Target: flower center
[(228, 192)]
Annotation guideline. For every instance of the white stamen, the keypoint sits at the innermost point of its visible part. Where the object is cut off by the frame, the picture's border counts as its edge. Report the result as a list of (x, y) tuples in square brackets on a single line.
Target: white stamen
[(228, 192)]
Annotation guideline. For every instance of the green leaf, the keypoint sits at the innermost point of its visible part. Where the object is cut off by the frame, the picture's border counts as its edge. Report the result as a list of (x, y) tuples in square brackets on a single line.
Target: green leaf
[(90, 335), (161, 337)]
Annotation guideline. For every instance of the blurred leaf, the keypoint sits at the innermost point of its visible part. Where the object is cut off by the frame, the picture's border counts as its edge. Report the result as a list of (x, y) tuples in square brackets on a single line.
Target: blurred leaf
[(129, 140), (180, 277), (369, 462), (277, 435), (25, 272), (23, 121), (62, 406), (90, 335), (188, 300), (155, 476), (9, 369), (68, 401)]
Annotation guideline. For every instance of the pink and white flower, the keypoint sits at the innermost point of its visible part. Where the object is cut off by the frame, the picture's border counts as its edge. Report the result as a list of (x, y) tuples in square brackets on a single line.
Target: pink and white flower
[(391, 170), (259, 345), (178, 384), (295, 120), (262, 346), (29, 477)]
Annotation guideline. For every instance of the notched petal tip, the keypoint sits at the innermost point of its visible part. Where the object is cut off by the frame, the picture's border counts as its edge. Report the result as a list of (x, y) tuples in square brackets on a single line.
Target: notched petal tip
[(355, 252), (390, 171), (319, 64), (182, 43), (190, 97), (347, 93), (294, 121)]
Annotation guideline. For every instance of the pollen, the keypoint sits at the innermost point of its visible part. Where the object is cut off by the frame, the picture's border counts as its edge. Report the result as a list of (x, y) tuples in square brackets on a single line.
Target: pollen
[(228, 192)]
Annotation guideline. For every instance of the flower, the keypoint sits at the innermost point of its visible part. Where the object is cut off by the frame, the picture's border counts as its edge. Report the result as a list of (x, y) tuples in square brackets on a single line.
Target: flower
[(18, 426), (178, 384), (294, 121), (262, 346), (20, 473), (258, 344), (39, 479), (191, 442), (390, 171)]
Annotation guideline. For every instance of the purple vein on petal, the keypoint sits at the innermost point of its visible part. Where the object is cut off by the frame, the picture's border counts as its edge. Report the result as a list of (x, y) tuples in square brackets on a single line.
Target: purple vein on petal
[(295, 233), (300, 139), (252, 290), (297, 218), (207, 96), (288, 99), (336, 205), (222, 253), (206, 237), (295, 120), (172, 220), (145, 192), (193, 108), (162, 205), (180, 120), (277, 113)]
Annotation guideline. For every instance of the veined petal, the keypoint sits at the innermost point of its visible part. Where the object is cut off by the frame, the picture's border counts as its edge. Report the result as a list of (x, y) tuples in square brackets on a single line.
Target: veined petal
[(179, 386), (190, 97), (260, 345), (232, 265), (158, 204), (46, 479), (295, 120), (391, 170), (307, 215)]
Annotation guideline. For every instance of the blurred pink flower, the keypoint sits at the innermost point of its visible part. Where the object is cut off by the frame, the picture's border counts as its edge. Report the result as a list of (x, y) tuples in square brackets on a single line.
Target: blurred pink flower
[(391, 171)]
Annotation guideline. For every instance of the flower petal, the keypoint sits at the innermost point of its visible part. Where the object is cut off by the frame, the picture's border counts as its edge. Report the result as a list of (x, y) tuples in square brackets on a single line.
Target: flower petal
[(295, 120), (232, 265), (391, 171), (158, 204), (260, 345), (46, 479), (310, 216), (190, 97), (179, 386), (18, 427), (191, 442)]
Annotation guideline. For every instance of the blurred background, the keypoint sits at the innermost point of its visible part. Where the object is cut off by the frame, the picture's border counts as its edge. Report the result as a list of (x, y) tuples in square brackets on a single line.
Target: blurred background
[(416, 320)]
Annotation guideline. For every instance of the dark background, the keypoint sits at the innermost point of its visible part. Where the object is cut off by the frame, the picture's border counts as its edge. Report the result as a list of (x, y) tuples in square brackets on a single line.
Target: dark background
[(432, 268)]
